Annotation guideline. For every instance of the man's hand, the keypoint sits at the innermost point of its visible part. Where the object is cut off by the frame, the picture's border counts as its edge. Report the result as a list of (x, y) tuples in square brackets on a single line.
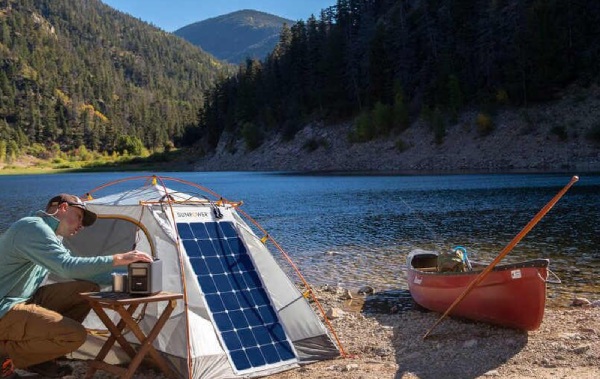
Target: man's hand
[(129, 257)]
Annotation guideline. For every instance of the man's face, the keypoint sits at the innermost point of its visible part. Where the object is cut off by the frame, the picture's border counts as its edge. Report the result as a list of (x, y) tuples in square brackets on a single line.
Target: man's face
[(70, 220)]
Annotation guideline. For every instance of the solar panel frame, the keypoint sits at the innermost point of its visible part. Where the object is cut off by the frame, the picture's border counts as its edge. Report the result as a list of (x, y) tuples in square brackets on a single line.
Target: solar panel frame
[(245, 320)]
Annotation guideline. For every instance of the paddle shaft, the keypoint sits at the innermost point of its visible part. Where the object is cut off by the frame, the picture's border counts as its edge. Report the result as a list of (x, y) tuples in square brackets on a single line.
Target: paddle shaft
[(506, 250)]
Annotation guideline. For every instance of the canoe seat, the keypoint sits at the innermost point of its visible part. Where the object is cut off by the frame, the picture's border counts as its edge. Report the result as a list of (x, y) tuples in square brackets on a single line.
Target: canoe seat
[(428, 269)]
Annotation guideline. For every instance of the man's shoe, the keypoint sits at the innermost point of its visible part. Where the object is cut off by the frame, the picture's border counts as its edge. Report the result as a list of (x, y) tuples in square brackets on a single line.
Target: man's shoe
[(50, 369), (8, 370)]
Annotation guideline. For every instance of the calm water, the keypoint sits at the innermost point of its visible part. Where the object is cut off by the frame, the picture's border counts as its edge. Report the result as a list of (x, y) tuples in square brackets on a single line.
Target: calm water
[(356, 230)]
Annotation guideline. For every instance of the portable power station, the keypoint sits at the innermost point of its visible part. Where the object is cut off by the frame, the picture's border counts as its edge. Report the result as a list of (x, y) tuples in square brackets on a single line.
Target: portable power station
[(145, 278)]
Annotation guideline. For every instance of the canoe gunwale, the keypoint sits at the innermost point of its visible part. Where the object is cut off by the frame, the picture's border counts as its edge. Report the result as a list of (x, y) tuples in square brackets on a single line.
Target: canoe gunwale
[(533, 263)]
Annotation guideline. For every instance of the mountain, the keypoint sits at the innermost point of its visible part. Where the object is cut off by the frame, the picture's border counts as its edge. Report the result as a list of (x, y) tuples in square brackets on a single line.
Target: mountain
[(77, 73), (235, 36)]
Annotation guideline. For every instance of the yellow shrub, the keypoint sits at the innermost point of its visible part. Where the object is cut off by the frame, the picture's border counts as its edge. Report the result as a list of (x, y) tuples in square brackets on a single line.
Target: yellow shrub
[(485, 124)]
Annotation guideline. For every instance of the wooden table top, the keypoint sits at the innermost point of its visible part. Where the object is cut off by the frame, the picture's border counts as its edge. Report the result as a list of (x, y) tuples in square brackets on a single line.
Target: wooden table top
[(126, 298)]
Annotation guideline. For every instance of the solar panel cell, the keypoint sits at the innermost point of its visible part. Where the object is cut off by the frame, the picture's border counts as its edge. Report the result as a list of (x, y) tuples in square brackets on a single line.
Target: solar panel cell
[(206, 281), (213, 230), (214, 265), (259, 296), (214, 303), (198, 230), (223, 322), (240, 360), (247, 338), (228, 230), (191, 246), (231, 340), (270, 353), (262, 335), (255, 357), (207, 249), (267, 314), (284, 349), (199, 266), (236, 247), (184, 231), (223, 285)]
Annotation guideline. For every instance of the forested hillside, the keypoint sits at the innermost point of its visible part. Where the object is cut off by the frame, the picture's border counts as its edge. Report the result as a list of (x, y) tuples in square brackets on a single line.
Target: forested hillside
[(235, 36), (76, 73), (386, 63)]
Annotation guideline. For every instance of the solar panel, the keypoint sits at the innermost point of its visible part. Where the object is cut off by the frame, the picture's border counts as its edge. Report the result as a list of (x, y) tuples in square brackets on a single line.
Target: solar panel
[(241, 310)]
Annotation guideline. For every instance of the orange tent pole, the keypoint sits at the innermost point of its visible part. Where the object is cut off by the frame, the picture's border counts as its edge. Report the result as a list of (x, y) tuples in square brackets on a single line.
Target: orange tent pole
[(505, 251)]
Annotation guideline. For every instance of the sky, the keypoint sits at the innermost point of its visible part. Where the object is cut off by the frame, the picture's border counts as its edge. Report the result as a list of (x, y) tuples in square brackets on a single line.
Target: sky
[(171, 15)]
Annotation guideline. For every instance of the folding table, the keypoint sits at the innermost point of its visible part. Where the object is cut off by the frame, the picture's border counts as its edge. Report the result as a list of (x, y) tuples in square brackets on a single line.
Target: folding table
[(125, 305)]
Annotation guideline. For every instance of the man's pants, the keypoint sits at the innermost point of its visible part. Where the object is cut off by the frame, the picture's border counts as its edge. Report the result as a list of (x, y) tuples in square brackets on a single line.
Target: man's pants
[(48, 325)]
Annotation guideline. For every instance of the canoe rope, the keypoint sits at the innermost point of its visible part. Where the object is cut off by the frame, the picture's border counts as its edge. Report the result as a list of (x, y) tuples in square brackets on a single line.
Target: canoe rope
[(553, 281)]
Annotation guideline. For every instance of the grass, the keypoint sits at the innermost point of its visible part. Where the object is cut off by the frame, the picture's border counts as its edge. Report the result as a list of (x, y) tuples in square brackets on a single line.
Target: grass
[(178, 160)]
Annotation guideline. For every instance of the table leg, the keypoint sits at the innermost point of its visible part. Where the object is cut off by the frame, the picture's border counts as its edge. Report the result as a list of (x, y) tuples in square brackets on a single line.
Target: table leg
[(115, 335), (146, 341)]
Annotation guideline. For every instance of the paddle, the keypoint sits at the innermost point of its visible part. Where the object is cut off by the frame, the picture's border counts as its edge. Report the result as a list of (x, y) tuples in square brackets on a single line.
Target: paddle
[(506, 250)]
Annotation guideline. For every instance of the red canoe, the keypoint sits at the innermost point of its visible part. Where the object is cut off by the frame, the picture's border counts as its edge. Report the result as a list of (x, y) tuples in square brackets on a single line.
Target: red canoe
[(511, 295)]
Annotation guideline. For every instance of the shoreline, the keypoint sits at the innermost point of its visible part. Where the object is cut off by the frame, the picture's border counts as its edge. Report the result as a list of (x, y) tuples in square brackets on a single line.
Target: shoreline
[(333, 172)]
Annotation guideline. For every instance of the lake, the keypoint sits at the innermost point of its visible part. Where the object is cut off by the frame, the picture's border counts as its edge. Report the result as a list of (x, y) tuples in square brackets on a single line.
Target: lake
[(356, 230)]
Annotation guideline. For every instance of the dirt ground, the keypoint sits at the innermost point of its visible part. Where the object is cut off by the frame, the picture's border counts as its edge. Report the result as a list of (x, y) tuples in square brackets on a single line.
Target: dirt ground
[(382, 337), (390, 344)]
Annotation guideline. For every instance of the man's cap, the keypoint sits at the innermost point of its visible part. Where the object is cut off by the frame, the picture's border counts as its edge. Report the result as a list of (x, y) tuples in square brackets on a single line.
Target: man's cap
[(89, 217)]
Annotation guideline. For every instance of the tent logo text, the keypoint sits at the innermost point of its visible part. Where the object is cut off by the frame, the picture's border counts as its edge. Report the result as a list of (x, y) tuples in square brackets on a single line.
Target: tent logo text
[(191, 214)]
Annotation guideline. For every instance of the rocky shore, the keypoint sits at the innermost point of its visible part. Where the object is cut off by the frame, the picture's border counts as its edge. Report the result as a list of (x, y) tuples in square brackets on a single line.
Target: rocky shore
[(390, 344), (382, 337), (553, 137)]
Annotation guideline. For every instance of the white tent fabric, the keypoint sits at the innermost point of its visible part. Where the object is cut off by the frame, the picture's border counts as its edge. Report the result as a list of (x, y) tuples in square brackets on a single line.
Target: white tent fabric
[(144, 219)]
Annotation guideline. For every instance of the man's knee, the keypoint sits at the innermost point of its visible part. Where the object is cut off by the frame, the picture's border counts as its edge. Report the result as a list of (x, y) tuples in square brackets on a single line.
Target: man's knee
[(74, 336)]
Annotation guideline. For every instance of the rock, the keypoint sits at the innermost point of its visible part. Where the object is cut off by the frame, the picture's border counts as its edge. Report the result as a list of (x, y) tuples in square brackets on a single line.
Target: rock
[(350, 367), (334, 313), (366, 290), (581, 302), (470, 343), (581, 349), (569, 335), (328, 288), (383, 352), (492, 373), (346, 295), (588, 330)]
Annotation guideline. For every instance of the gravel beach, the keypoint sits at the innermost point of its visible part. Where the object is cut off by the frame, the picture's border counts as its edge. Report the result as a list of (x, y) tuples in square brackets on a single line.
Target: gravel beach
[(391, 345), (383, 339)]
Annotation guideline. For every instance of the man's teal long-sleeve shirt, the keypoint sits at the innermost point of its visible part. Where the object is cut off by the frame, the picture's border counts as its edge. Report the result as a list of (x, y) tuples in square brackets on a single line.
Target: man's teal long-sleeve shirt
[(30, 249)]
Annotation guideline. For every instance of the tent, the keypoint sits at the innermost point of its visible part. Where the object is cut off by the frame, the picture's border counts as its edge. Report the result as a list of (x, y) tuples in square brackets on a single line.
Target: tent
[(241, 315)]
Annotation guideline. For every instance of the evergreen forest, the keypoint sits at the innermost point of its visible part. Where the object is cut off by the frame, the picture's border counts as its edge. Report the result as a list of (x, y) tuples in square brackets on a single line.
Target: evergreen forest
[(384, 63), (78, 76)]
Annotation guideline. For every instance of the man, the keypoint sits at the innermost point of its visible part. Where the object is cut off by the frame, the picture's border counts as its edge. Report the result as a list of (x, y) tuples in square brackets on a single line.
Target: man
[(41, 323)]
